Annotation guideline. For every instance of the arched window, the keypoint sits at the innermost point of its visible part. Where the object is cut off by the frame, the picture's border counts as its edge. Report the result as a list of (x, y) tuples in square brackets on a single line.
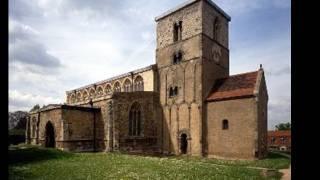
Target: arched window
[(92, 92), (216, 27), (177, 57), (225, 124), (138, 84), (177, 31), (173, 91), (85, 95), (99, 91), (78, 96), (117, 87), (127, 86), (72, 98), (135, 118), (108, 89)]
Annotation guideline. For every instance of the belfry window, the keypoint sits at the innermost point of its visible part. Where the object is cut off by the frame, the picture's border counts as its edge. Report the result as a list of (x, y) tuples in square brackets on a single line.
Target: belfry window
[(135, 118), (173, 91), (177, 31), (216, 27), (225, 124), (177, 57)]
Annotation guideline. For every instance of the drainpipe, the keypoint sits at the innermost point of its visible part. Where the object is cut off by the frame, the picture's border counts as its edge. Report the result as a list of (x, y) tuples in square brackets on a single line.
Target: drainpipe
[(94, 126)]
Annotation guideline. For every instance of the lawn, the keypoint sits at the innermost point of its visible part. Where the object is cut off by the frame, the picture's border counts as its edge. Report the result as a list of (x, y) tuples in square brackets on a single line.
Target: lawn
[(30, 162)]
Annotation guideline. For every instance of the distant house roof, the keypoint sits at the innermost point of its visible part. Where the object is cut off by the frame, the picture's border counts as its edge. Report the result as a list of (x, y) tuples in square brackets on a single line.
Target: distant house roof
[(235, 86), (279, 133)]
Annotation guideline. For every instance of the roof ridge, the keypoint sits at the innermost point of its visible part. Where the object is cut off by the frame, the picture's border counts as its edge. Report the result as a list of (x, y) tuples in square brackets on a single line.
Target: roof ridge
[(244, 73)]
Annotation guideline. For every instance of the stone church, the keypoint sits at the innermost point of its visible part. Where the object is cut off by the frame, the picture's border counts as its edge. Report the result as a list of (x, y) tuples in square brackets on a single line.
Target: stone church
[(185, 103)]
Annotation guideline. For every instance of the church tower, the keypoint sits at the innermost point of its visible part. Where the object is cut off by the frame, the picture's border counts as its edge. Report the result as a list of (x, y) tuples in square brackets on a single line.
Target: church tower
[(192, 52)]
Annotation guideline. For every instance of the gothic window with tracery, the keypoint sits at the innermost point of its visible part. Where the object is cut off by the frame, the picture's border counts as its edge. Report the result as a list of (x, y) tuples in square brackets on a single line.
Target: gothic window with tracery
[(99, 91), (138, 84), (117, 87), (135, 118), (127, 86), (108, 89)]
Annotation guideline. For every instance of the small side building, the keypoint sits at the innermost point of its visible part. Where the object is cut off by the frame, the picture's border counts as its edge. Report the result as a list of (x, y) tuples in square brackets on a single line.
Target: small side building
[(237, 117), (64, 127)]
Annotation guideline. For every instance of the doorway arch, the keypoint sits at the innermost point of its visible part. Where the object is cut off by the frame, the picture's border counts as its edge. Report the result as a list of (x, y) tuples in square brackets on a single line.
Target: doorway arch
[(183, 143), (49, 135)]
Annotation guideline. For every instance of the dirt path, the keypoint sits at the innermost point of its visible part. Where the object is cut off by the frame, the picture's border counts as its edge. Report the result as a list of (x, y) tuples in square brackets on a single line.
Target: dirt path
[(286, 174)]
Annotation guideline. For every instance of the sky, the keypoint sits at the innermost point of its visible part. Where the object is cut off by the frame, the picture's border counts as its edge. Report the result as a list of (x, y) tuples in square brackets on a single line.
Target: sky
[(60, 45)]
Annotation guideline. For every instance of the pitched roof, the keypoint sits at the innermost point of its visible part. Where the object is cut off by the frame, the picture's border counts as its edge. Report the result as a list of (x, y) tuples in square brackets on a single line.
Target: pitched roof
[(235, 86), (279, 133)]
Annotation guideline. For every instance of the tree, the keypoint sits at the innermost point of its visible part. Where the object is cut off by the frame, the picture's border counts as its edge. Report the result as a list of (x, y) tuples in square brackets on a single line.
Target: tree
[(36, 107), (283, 126)]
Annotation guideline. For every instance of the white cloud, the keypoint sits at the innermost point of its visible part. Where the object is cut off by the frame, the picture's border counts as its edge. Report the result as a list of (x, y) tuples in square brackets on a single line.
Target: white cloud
[(25, 101)]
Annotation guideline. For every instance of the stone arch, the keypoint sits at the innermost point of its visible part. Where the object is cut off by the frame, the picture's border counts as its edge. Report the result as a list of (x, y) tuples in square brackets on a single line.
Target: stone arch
[(184, 141), (108, 89), (117, 87), (135, 124), (50, 135), (99, 91), (138, 84), (185, 131), (127, 85), (85, 94)]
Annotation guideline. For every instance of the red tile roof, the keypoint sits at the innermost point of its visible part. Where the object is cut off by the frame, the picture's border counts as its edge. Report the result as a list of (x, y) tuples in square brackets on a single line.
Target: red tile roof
[(279, 133), (235, 86)]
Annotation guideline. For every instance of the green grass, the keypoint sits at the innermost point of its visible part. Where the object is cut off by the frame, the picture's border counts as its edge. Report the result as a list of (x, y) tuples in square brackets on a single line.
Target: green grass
[(272, 161), (29, 162)]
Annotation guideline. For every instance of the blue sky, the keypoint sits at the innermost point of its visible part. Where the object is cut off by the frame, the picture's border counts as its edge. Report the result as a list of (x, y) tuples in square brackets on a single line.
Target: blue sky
[(58, 45)]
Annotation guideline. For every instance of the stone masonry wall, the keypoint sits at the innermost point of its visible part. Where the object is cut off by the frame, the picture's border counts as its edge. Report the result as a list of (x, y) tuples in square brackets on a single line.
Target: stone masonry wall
[(240, 139), (78, 129), (149, 139), (262, 118), (55, 117), (181, 113)]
